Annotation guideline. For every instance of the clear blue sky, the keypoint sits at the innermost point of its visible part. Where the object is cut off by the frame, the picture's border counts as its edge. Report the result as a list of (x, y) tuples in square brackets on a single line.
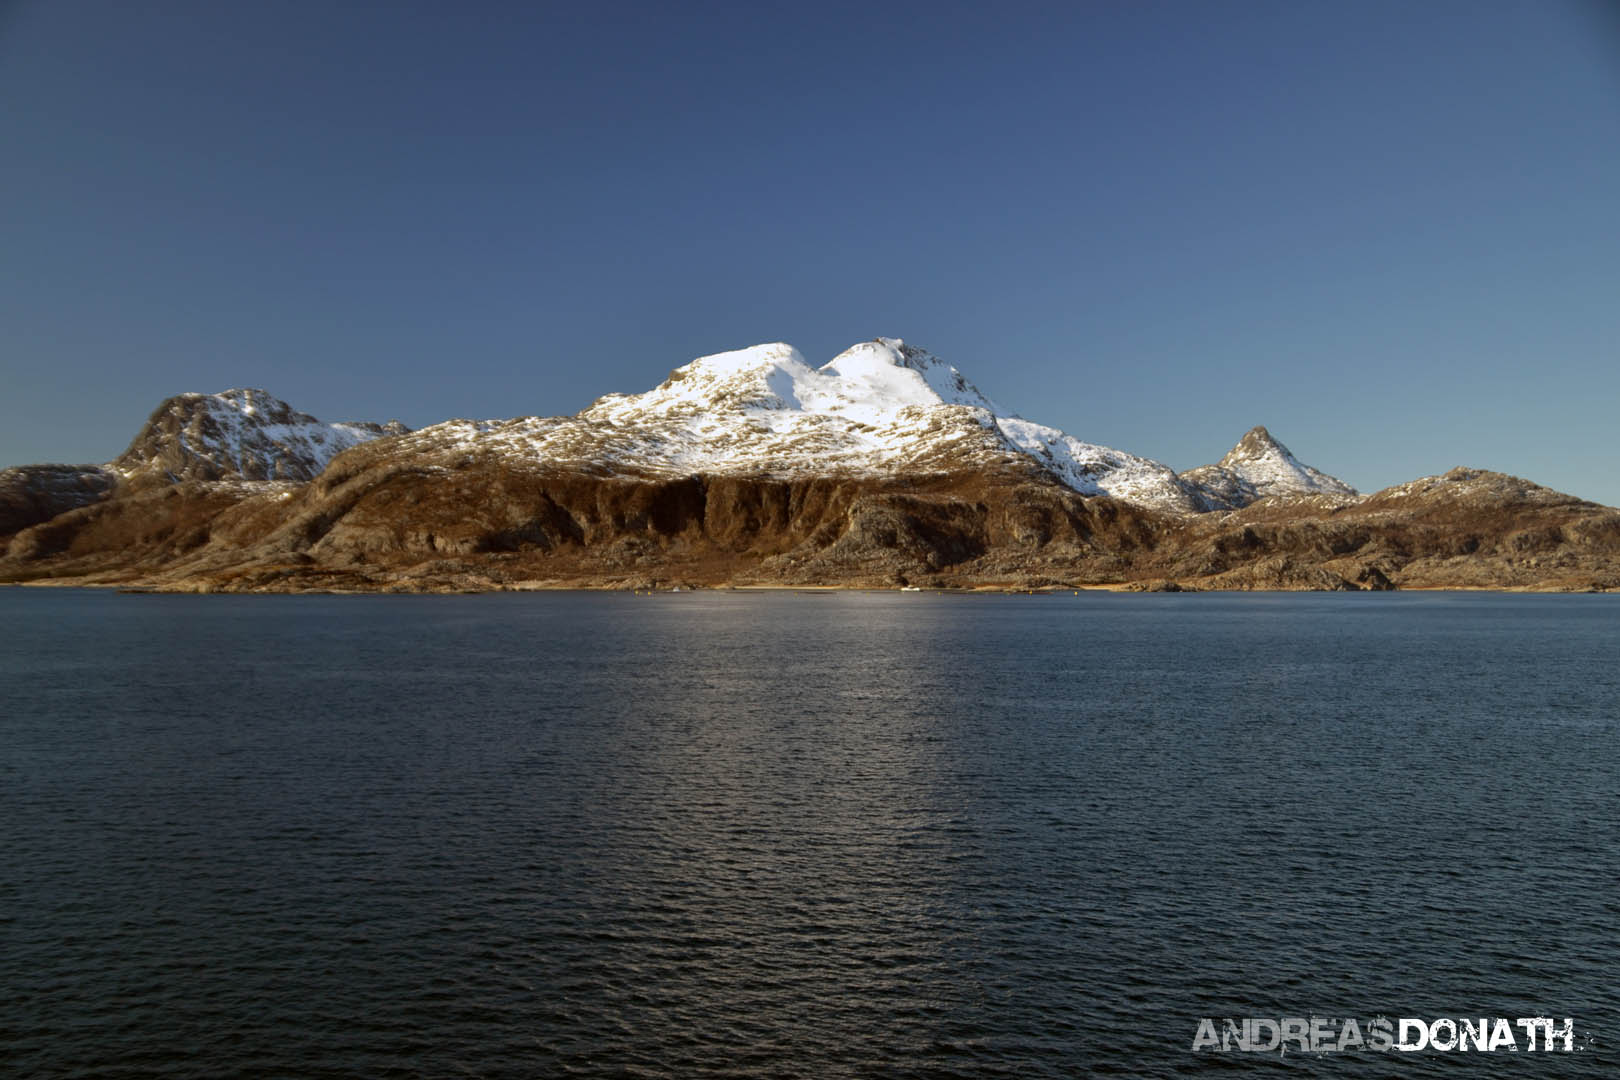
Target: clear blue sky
[(1388, 231)]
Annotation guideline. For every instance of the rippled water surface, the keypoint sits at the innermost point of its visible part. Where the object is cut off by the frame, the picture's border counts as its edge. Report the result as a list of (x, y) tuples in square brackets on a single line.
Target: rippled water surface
[(816, 835)]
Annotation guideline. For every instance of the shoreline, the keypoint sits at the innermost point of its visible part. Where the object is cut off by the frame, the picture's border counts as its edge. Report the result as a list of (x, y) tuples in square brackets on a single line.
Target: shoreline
[(210, 589)]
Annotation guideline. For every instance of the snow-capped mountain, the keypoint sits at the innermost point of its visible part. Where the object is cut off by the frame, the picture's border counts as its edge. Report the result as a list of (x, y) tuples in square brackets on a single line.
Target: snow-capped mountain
[(880, 407), (1260, 467), (881, 467), (238, 435)]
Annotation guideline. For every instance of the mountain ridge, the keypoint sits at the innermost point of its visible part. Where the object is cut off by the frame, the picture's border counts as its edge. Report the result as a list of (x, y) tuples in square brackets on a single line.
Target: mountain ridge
[(884, 465), (879, 407)]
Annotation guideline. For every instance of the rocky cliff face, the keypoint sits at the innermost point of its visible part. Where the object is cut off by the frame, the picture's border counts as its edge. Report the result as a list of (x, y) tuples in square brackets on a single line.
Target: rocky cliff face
[(883, 467)]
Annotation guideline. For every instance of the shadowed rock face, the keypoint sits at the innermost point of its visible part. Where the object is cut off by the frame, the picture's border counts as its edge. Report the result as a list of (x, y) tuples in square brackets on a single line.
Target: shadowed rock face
[(30, 494)]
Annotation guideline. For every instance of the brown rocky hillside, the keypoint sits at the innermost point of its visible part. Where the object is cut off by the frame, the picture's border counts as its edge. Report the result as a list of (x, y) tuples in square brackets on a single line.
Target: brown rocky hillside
[(373, 522)]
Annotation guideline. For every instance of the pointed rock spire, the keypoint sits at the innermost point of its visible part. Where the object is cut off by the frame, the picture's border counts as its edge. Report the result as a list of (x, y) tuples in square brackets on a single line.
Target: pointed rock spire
[(1260, 467)]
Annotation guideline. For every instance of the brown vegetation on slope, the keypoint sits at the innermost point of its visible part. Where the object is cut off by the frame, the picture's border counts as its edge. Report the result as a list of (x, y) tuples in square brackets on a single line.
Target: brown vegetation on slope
[(32, 494), (374, 521)]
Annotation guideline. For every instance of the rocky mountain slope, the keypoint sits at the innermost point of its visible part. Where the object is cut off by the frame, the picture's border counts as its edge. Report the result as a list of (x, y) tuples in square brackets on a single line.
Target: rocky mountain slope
[(30, 494), (239, 435), (884, 466)]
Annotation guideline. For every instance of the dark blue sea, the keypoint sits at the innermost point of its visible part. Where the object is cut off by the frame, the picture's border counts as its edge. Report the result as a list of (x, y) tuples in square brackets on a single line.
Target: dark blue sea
[(800, 835)]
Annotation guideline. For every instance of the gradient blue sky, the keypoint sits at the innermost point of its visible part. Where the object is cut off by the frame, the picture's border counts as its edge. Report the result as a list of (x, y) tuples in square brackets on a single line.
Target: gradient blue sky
[(1388, 231)]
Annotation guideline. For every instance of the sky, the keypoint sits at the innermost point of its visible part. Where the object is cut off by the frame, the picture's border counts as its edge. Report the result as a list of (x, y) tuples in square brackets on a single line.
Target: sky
[(1390, 232)]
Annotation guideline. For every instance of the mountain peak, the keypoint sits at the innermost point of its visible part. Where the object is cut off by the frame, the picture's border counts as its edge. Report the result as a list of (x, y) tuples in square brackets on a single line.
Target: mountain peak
[(249, 399), (1260, 435), (880, 407), (1257, 444), (867, 383), (244, 433), (1258, 467)]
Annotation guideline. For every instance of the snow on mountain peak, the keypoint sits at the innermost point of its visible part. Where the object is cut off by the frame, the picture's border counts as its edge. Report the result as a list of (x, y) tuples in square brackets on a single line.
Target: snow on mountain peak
[(1260, 466), (888, 372), (741, 378), (867, 383), (240, 434), (879, 407), (1257, 445), (249, 401)]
